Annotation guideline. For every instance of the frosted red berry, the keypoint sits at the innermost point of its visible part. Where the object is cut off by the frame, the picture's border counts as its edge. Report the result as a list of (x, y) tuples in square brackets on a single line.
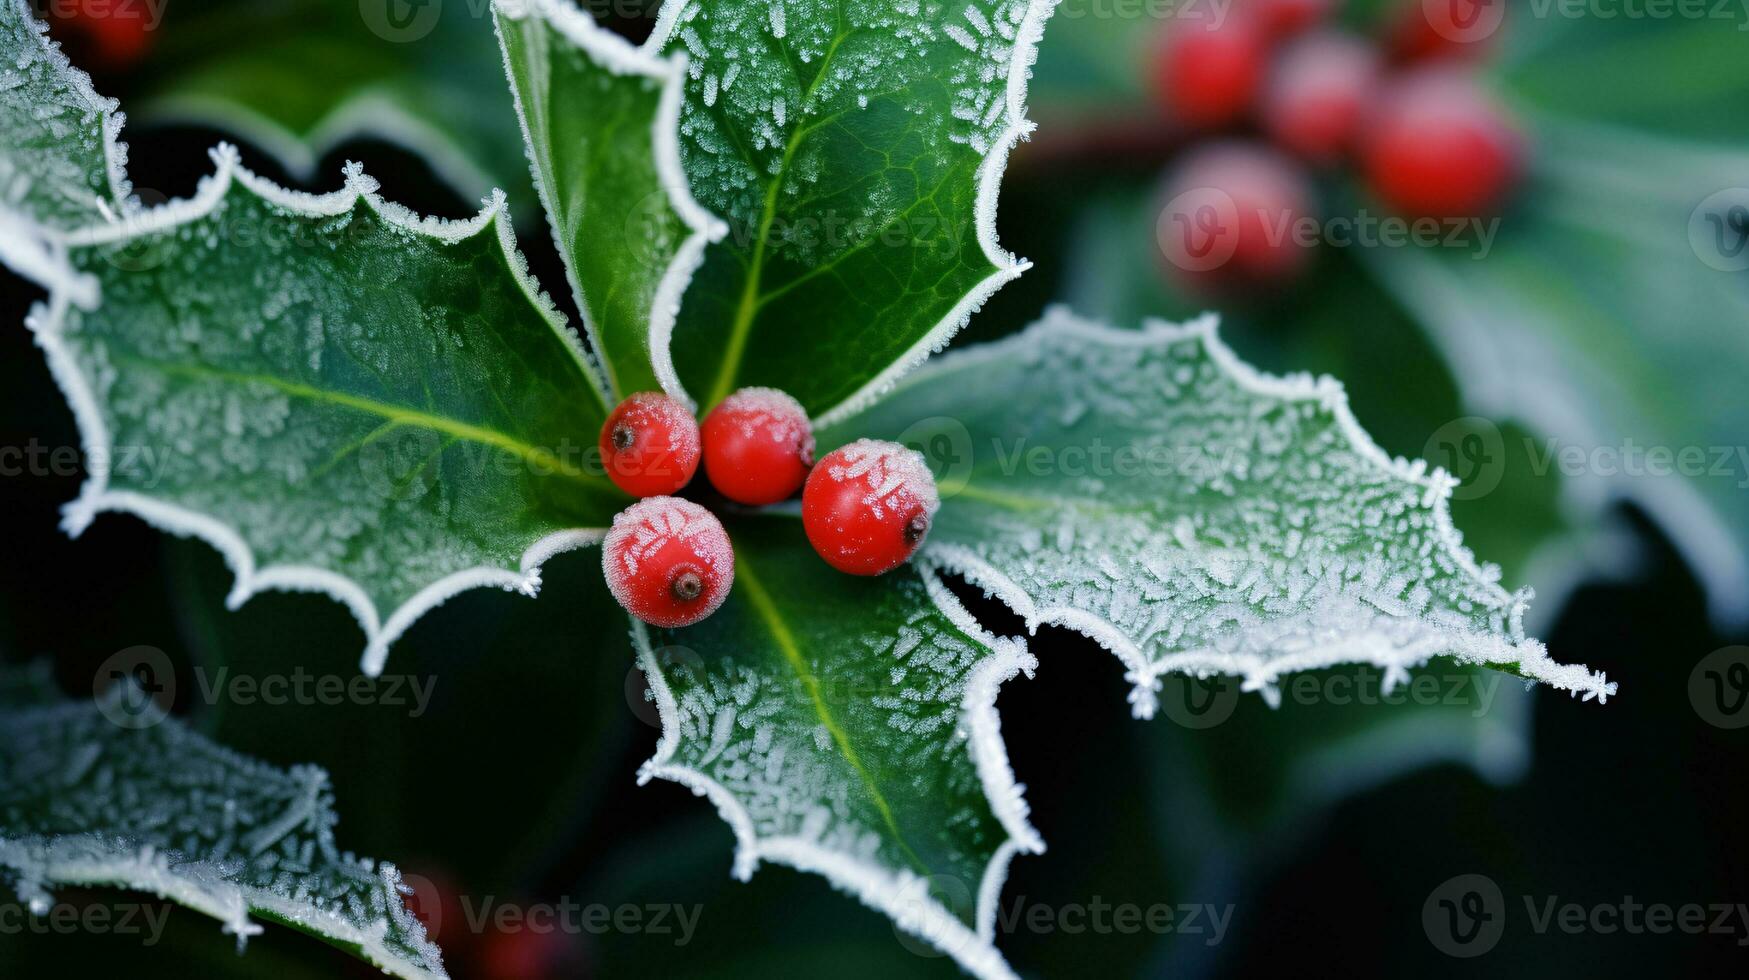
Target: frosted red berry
[(1209, 69), (649, 445), (1313, 102), (1436, 146), (1281, 18), (1444, 30), (1236, 216), (868, 506), (668, 561), (758, 446)]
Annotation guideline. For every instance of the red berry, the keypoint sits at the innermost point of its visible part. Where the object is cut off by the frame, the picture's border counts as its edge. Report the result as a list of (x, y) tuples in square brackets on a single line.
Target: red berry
[(1209, 69), (867, 506), (758, 446), (1282, 18), (649, 445), (668, 561), (118, 34), (1316, 94), (1236, 217), (1436, 146), (1424, 30), (528, 953)]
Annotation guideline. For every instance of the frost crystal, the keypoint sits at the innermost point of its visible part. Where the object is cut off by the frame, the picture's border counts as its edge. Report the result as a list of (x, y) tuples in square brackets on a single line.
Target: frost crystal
[(1148, 489), (155, 808)]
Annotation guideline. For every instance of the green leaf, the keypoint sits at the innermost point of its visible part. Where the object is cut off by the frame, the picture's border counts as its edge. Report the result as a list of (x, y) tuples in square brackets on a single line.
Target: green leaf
[(854, 148), (1148, 489), (847, 726), (337, 395), (601, 119), (298, 79), (61, 166), (1596, 303), (114, 793)]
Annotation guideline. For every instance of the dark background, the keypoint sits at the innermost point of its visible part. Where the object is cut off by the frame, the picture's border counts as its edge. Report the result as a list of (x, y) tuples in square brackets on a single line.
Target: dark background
[(519, 782)]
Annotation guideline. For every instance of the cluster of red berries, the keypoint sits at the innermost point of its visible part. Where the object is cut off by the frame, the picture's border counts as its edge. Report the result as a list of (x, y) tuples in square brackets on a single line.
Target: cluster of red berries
[(866, 507), (1407, 111)]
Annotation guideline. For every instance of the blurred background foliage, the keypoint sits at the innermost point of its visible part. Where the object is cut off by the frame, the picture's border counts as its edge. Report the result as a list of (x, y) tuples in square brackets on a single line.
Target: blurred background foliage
[(1324, 826)]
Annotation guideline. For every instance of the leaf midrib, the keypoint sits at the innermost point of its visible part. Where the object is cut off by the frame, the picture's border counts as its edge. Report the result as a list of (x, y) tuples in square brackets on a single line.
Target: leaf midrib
[(748, 582), (399, 414)]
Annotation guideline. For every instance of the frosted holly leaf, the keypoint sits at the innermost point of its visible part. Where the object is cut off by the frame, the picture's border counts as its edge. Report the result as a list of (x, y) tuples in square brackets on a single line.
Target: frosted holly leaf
[(61, 166), (113, 793), (854, 147), (423, 76), (1193, 516), (601, 122), (337, 395), (847, 726)]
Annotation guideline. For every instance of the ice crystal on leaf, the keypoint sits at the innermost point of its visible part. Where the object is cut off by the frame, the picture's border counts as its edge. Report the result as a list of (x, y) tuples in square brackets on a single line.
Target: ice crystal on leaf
[(1150, 490), (144, 804)]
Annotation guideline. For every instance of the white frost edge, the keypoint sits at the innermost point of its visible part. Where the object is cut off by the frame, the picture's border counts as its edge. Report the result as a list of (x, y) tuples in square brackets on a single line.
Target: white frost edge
[(1260, 672), (901, 896), (49, 322), (365, 115), (619, 56), (1008, 266), (150, 872), (1703, 538), (31, 249)]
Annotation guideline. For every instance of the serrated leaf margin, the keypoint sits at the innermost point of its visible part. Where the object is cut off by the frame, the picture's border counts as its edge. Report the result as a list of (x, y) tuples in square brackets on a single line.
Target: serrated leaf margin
[(1260, 674), (903, 896), (48, 321), (37, 252), (621, 57), (1008, 266)]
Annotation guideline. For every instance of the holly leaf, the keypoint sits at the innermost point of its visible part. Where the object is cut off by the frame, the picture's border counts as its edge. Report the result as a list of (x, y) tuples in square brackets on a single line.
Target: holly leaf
[(422, 76), (1605, 292), (1149, 490), (337, 395), (111, 792), (61, 164), (847, 726), (854, 150), (601, 120)]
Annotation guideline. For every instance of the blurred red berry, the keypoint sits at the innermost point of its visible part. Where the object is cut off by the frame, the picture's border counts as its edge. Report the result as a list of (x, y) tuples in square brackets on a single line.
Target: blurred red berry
[(1283, 18), (1237, 215), (525, 954), (649, 445), (1317, 92), (1209, 69), (668, 561), (117, 34), (867, 507), (1436, 146), (758, 446), (1426, 30)]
